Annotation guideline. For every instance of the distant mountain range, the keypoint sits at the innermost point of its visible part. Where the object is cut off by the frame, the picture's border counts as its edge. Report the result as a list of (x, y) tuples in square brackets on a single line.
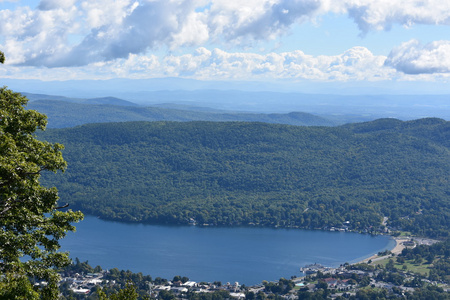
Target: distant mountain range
[(120, 86), (216, 105), (339, 107), (102, 100), (68, 112)]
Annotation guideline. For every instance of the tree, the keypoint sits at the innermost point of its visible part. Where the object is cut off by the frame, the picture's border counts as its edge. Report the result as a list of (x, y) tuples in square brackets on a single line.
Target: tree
[(127, 293), (166, 295), (12, 287), (31, 223), (322, 285)]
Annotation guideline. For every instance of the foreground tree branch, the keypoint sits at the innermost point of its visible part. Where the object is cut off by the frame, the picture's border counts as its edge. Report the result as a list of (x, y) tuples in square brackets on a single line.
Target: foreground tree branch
[(30, 223)]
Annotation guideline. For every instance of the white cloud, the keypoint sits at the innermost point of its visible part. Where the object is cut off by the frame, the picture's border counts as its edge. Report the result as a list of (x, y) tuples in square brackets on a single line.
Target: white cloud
[(243, 22), (383, 14), (30, 35), (194, 31), (355, 64), (116, 30), (414, 58), (126, 28), (98, 13)]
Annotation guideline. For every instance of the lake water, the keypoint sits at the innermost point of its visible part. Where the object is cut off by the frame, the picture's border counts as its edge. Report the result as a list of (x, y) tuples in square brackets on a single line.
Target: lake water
[(247, 255)]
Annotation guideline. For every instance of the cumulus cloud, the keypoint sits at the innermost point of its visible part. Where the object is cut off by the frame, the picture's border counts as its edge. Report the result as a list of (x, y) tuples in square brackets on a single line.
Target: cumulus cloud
[(238, 21), (357, 63), (177, 23), (29, 34), (383, 14), (354, 65), (81, 32), (414, 58), (116, 30)]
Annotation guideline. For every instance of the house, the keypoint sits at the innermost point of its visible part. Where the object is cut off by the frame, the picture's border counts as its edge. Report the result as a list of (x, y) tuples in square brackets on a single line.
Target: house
[(179, 290), (190, 284), (331, 282), (343, 284), (238, 295), (81, 291), (160, 288)]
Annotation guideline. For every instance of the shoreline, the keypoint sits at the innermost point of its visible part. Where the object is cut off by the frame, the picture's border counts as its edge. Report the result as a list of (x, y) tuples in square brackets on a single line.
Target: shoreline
[(398, 248)]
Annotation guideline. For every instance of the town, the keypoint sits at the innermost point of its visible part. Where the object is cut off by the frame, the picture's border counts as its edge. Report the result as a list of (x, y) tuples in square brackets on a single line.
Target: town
[(396, 273)]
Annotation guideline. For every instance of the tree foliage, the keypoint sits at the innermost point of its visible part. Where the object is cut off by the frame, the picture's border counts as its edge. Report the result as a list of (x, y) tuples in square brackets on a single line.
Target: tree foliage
[(30, 222), (17, 287), (127, 293)]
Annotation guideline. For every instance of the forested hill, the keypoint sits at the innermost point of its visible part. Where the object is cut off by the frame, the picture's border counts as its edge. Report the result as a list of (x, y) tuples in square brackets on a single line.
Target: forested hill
[(237, 173)]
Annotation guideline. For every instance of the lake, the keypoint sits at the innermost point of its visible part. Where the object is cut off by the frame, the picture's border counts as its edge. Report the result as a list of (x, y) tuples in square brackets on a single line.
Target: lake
[(246, 255)]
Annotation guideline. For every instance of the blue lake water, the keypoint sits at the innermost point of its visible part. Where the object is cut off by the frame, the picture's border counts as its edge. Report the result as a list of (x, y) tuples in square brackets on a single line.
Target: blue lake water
[(247, 255)]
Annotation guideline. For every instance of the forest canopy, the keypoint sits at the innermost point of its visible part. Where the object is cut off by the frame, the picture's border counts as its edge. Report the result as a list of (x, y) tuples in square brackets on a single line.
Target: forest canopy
[(238, 173)]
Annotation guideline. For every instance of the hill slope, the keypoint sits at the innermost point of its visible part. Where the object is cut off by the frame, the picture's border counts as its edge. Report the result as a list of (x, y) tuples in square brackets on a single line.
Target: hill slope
[(239, 173)]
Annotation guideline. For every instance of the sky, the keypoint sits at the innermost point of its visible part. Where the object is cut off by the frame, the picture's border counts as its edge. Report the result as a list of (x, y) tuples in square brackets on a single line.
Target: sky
[(293, 41)]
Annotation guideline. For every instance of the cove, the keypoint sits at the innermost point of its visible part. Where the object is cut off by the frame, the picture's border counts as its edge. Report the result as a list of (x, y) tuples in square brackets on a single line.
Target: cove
[(247, 255)]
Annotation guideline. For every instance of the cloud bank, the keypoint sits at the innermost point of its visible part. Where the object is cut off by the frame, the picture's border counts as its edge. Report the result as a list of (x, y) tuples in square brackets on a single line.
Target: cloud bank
[(76, 33), (354, 64)]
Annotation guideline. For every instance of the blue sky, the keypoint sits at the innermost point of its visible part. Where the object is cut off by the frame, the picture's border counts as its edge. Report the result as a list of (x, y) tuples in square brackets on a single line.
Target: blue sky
[(367, 42)]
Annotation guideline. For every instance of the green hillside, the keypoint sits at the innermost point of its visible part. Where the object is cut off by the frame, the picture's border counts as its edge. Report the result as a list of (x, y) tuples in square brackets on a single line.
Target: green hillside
[(237, 173)]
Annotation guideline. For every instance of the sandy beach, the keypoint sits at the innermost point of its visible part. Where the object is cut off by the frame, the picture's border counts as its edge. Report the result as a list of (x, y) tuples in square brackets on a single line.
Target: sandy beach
[(396, 250), (399, 245)]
